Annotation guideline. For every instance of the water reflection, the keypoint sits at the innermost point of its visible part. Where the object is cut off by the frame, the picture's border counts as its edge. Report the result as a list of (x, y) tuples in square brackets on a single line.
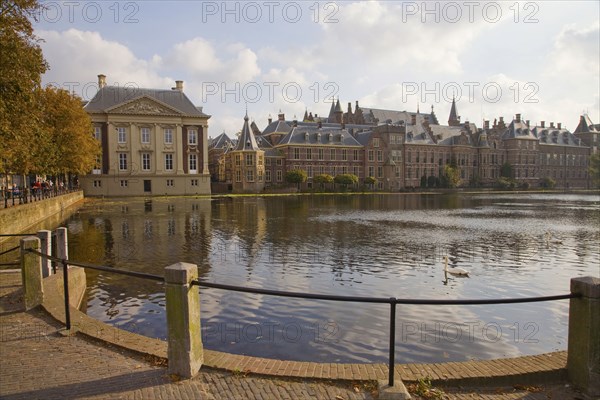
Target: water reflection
[(376, 245)]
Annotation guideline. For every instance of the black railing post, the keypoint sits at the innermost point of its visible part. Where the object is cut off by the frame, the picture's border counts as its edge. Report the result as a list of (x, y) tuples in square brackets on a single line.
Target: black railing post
[(66, 287), (392, 341)]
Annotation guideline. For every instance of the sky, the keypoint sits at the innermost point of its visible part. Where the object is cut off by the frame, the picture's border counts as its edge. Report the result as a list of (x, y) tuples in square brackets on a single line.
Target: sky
[(497, 58)]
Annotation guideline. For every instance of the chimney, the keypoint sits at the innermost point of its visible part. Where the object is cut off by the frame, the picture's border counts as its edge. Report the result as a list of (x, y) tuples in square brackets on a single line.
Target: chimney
[(551, 124), (295, 122), (101, 81), (281, 116), (518, 118), (319, 124), (543, 124), (413, 119), (558, 125), (527, 122), (178, 86), (349, 107), (486, 124)]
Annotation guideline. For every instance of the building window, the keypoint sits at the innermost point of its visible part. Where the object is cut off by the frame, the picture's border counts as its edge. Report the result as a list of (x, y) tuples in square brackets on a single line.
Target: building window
[(375, 142), (168, 136), (145, 161), (192, 137), (296, 154), (170, 183), (321, 156), (279, 175), (260, 160), (145, 132), (122, 161), (371, 156), (193, 163), (356, 155), (309, 171), (194, 182), (98, 133), (279, 161), (249, 160), (268, 175), (372, 171), (260, 175), (380, 172), (124, 183), (309, 154), (238, 160), (379, 155), (121, 135), (169, 162), (97, 183), (249, 175), (344, 155), (238, 175)]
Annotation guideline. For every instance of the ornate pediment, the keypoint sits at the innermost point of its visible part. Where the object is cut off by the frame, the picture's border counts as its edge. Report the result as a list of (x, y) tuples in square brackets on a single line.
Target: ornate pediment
[(145, 106)]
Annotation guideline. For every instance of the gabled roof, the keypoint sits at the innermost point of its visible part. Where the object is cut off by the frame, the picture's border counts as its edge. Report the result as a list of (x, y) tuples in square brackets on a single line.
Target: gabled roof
[(247, 140), (111, 97), (277, 127)]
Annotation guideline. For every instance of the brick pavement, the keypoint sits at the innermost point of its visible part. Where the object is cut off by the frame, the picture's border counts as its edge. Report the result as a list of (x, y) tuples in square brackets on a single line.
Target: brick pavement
[(36, 361)]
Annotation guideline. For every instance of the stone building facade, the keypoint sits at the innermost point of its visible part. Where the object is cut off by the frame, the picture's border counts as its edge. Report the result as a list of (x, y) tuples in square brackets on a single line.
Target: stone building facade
[(154, 142)]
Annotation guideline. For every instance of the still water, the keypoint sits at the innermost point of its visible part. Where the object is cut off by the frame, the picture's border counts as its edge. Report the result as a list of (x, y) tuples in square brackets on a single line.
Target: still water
[(513, 245)]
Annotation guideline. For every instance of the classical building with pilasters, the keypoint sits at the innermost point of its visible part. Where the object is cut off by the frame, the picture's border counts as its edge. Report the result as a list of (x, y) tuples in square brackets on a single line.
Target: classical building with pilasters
[(154, 142)]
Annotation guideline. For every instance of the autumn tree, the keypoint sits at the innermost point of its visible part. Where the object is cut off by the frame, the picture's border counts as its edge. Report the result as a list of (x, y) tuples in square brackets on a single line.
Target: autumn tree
[(322, 179), (20, 76), (73, 148)]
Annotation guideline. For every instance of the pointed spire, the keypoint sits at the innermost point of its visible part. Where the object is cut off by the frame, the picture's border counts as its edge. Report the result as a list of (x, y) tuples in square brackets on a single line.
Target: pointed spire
[(453, 119), (338, 108), (247, 140), (417, 108)]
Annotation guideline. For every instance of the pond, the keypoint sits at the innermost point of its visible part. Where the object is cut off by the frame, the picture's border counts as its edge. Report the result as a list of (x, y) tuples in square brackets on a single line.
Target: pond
[(513, 245)]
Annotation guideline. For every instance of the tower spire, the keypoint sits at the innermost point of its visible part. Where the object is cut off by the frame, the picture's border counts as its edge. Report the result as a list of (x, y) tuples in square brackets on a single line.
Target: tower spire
[(453, 119)]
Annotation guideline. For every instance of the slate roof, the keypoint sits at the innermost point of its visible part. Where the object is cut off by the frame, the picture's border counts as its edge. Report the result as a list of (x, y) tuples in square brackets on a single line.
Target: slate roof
[(277, 127), (247, 140), (220, 142), (557, 137), (111, 96), (318, 136), (518, 130), (379, 116), (586, 125)]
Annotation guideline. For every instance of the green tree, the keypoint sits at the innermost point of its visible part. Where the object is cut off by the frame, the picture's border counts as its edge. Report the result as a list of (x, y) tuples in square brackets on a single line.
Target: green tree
[(345, 180), (432, 181), (594, 169), (371, 181), (296, 176), (73, 148), (547, 183), (451, 176), (20, 76), (506, 170), (322, 179)]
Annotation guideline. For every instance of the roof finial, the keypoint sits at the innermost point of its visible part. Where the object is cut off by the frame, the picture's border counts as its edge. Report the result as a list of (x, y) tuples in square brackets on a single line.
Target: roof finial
[(417, 108)]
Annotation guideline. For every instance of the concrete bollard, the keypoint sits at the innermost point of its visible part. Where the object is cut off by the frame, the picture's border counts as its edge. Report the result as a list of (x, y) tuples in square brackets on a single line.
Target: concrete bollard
[(31, 273), (185, 350), (46, 248), (583, 356)]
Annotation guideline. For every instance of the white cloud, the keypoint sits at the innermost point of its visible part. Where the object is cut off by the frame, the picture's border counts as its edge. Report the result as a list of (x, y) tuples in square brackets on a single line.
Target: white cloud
[(77, 57)]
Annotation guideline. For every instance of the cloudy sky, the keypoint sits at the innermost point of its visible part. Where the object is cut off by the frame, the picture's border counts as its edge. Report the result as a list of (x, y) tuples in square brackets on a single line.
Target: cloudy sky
[(540, 59)]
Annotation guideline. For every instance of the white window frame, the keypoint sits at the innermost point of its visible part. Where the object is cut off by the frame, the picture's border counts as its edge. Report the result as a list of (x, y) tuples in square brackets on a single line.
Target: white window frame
[(146, 164), (121, 135), (145, 135), (168, 162), (193, 160), (168, 136), (192, 137), (123, 162)]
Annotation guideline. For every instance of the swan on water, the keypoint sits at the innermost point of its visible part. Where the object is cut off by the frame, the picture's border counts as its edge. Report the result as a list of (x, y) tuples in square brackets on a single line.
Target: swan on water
[(549, 239), (454, 271)]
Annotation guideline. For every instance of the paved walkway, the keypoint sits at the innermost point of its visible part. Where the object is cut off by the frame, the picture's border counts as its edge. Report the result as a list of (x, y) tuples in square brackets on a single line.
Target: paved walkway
[(38, 362)]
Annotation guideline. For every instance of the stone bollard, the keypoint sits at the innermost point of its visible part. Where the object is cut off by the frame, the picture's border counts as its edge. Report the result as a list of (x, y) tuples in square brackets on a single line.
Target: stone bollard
[(62, 243), (46, 248), (583, 356), (31, 273), (185, 350)]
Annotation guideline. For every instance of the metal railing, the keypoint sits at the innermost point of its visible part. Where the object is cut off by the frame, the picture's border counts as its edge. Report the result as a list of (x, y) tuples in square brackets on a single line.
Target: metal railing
[(12, 264), (11, 198), (392, 301)]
